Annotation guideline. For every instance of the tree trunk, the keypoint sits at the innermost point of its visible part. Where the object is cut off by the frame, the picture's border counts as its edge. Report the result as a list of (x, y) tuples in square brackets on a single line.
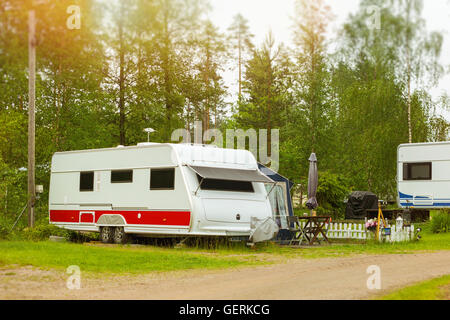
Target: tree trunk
[(240, 69), (167, 76), (408, 62), (206, 79), (269, 111), (409, 109), (31, 118), (121, 85)]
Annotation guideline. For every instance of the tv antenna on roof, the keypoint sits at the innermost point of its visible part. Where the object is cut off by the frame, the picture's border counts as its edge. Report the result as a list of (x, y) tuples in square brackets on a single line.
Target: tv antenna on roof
[(149, 130)]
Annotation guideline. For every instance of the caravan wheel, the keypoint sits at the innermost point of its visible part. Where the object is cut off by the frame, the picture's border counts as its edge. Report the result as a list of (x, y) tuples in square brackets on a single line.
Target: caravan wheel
[(107, 234), (120, 237)]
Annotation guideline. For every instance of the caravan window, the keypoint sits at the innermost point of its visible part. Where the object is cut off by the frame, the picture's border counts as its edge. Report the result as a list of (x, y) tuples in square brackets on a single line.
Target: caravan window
[(417, 171), (225, 185), (162, 179), (86, 181), (122, 176)]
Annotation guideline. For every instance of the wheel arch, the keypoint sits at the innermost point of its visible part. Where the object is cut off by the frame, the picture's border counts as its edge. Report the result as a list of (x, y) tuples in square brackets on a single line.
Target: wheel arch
[(111, 220)]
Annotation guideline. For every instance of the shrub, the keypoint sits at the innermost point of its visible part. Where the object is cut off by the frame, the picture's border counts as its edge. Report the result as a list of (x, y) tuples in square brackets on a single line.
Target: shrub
[(79, 237), (42, 232), (5, 226), (441, 222), (331, 194), (3, 232)]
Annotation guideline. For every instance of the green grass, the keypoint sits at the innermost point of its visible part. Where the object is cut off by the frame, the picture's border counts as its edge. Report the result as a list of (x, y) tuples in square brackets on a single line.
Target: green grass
[(428, 290), (121, 259), (132, 259), (429, 242)]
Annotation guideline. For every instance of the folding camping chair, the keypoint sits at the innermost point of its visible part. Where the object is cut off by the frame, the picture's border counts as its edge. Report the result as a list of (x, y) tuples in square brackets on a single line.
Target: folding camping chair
[(298, 234)]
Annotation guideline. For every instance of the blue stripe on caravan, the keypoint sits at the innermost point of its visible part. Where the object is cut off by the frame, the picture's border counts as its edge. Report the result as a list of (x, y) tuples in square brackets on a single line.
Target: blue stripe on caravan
[(404, 196), (443, 204)]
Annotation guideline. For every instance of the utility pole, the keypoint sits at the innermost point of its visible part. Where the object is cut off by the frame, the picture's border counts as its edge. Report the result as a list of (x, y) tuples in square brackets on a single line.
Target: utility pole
[(31, 116)]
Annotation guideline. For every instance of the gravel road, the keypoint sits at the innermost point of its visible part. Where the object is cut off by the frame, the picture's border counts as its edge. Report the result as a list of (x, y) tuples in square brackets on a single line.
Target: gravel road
[(297, 279)]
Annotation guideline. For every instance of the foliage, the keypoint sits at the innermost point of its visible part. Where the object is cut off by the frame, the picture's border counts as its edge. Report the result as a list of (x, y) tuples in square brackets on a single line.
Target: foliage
[(440, 222), (3, 232), (162, 64), (332, 191), (81, 237), (370, 88), (265, 102), (42, 232), (313, 107)]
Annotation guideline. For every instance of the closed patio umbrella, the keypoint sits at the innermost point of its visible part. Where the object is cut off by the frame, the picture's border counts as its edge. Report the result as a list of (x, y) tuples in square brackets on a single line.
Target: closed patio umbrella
[(313, 181)]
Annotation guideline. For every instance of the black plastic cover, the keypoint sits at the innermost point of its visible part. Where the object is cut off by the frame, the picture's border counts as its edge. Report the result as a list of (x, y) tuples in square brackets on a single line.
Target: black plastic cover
[(358, 203)]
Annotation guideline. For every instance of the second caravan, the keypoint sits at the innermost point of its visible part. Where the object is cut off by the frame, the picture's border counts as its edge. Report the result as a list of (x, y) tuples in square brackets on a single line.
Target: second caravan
[(423, 175)]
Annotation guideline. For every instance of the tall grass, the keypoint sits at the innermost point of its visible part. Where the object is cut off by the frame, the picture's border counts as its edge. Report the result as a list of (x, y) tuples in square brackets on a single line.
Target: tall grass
[(440, 222)]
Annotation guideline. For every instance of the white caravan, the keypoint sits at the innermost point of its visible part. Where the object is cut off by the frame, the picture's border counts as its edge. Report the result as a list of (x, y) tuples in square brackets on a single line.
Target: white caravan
[(156, 190), (423, 175)]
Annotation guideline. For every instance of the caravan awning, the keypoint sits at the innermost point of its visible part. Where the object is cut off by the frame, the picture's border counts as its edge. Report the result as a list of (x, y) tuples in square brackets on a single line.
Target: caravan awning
[(231, 174)]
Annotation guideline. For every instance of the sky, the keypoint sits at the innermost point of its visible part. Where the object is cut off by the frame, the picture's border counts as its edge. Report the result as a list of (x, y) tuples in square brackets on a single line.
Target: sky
[(275, 15)]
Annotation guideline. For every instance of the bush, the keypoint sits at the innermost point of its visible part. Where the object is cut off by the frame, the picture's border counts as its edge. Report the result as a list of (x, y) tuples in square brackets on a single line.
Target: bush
[(3, 232), (42, 232), (5, 226), (331, 194), (78, 237), (440, 222)]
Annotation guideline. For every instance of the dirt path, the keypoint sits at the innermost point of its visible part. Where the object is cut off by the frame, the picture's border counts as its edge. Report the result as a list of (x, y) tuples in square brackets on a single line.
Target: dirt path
[(333, 278)]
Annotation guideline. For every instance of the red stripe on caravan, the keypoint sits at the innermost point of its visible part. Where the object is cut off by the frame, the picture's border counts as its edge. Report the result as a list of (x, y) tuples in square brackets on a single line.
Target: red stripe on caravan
[(165, 218), (64, 216)]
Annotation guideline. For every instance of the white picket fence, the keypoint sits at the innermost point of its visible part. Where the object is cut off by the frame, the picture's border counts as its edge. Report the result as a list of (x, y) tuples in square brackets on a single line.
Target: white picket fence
[(358, 232)]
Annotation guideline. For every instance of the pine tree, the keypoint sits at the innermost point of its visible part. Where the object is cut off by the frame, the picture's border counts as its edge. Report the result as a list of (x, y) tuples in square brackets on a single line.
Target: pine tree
[(211, 57), (265, 89), (310, 24), (242, 42)]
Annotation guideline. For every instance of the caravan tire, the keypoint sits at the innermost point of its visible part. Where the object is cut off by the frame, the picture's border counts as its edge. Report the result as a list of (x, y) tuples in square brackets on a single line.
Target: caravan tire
[(107, 234), (120, 237)]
